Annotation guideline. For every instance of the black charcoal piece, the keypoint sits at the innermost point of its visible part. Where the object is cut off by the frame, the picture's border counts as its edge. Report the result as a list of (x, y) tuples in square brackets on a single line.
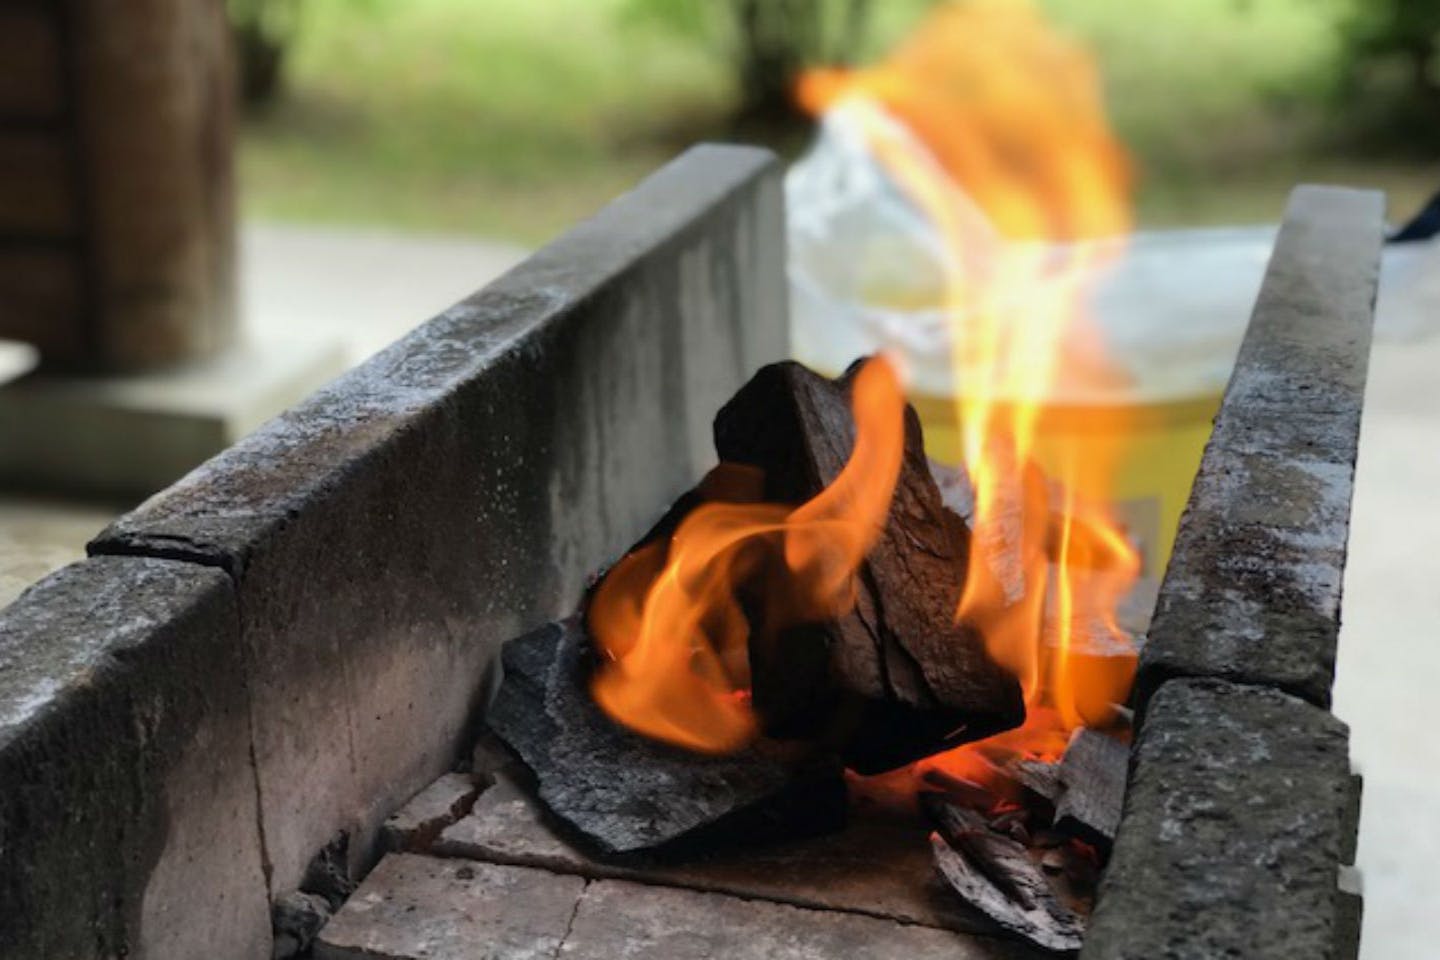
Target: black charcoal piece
[(625, 793), (896, 677), (1092, 777), (999, 877)]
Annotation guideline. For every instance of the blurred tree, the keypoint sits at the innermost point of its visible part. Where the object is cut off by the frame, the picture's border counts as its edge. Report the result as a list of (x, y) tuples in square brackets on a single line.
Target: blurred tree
[(1392, 48), (263, 32), (769, 42)]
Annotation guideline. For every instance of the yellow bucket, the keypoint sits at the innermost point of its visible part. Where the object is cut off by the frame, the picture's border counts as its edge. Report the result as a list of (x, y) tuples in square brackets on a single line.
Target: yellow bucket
[(1157, 454)]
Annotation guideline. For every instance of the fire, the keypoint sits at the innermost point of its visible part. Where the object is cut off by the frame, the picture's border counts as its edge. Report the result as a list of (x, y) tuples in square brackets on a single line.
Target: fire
[(668, 617), (992, 124)]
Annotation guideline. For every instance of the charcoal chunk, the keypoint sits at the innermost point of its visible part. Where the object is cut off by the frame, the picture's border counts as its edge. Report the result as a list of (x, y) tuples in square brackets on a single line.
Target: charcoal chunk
[(624, 793), (897, 678)]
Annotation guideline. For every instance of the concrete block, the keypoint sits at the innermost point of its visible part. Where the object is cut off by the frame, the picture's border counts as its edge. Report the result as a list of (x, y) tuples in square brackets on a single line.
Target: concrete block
[(879, 867), (128, 822), (129, 435), (415, 825), (388, 534), (1252, 593), (642, 922), (1350, 825), (31, 74), (1231, 837), (1349, 913), (420, 908), (599, 777), (506, 826)]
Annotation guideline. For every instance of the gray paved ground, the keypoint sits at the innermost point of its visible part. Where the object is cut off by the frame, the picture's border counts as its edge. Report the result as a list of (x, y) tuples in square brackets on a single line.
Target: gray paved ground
[(367, 289), (1388, 685)]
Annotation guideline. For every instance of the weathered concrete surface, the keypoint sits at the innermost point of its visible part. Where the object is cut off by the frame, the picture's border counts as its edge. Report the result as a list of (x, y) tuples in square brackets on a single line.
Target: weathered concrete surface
[(641, 922), (1252, 593), (1231, 840), (390, 532), (627, 793), (506, 826), (420, 821), (420, 908), (878, 867), (127, 798), (129, 435)]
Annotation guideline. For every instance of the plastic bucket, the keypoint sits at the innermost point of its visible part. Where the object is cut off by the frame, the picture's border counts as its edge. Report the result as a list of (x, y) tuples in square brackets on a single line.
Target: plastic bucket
[(1159, 444), (1173, 307)]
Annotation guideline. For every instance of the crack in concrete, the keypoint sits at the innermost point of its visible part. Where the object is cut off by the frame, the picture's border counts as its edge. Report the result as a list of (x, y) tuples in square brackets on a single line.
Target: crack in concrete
[(574, 912)]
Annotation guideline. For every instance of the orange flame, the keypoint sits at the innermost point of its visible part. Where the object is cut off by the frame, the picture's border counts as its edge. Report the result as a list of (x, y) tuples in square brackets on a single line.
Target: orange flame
[(668, 618), (993, 126)]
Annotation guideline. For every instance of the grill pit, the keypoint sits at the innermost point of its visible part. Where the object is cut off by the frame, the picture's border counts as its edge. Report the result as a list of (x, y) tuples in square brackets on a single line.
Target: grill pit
[(356, 564)]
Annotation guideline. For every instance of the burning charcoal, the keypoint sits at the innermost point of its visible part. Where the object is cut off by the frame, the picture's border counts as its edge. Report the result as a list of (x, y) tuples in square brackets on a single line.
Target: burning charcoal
[(1013, 824), (626, 793), (958, 790), (896, 679), (998, 876), (1093, 773), (1037, 776)]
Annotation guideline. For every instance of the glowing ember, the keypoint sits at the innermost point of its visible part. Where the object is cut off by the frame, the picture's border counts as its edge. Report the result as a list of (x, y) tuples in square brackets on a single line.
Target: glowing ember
[(1007, 152), (669, 619)]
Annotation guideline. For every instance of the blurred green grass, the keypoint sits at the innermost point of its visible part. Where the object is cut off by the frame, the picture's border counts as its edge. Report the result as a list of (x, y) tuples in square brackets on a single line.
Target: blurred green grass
[(513, 119)]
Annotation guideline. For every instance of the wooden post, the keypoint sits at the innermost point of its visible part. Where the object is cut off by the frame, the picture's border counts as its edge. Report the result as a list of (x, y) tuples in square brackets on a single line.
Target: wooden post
[(117, 233)]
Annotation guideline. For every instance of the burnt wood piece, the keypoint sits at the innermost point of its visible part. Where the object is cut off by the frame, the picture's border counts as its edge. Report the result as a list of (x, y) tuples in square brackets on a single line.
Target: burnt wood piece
[(1252, 592), (1000, 877), (1038, 777), (1036, 781), (624, 793), (1092, 775), (896, 679)]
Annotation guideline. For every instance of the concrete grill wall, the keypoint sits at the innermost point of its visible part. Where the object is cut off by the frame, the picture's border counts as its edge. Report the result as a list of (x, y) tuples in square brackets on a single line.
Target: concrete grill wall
[(1241, 811), (291, 640)]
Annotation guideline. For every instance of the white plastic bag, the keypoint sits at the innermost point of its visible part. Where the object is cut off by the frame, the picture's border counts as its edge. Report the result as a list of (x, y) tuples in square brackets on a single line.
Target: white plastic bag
[(867, 273)]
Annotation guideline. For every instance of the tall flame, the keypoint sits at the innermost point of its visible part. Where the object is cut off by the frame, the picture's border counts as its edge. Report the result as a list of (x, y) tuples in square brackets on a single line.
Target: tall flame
[(668, 618), (992, 124)]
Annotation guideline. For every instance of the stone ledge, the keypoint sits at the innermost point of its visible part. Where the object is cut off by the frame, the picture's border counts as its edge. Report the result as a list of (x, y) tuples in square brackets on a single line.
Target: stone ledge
[(127, 814), (1252, 593), (415, 826), (1233, 830), (386, 535), (419, 908)]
